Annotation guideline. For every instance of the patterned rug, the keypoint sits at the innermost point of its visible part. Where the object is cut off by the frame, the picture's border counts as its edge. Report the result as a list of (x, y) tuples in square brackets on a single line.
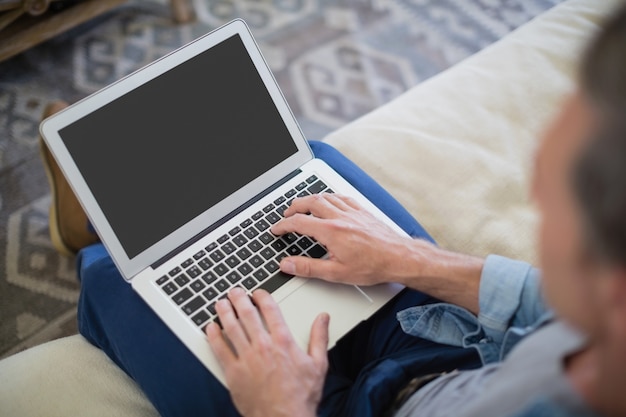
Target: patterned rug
[(334, 59)]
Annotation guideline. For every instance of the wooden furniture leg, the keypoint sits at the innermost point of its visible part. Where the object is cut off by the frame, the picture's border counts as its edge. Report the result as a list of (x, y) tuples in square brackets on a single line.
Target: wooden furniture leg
[(25, 33)]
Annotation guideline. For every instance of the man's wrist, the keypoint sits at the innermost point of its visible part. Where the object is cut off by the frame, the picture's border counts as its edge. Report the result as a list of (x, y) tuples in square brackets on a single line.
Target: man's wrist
[(449, 276)]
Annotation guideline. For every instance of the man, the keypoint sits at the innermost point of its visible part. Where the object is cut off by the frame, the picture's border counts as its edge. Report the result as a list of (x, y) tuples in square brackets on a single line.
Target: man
[(533, 364)]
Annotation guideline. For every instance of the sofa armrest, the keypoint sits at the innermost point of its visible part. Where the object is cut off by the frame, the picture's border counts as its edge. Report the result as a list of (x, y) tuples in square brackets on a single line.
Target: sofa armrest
[(68, 377)]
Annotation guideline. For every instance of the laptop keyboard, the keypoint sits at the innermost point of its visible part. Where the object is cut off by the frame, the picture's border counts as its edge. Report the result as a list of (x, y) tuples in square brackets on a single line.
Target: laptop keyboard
[(247, 256)]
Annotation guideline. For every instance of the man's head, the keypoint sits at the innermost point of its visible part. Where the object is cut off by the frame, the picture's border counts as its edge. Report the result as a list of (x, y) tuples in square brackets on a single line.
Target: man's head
[(580, 187)]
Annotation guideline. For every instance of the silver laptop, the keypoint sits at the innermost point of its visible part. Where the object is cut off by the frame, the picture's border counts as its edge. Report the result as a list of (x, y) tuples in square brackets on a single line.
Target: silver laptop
[(182, 168)]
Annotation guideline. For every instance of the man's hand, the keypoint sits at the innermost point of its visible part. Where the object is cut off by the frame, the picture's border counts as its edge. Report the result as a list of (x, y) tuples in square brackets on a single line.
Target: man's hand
[(267, 373), (362, 250)]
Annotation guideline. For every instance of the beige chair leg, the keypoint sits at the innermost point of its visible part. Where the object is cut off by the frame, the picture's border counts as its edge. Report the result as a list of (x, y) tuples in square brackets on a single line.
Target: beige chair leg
[(182, 10)]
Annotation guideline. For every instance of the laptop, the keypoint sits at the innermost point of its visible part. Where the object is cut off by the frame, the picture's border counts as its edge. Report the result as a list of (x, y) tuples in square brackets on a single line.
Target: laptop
[(183, 166)]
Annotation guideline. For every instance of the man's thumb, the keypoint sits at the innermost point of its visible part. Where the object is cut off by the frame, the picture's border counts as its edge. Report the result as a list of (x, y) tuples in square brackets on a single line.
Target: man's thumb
[(318, 343)]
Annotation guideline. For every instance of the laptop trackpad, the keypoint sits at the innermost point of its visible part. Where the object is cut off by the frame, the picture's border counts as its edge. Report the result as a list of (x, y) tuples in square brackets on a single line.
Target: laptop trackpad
[(346, 305)]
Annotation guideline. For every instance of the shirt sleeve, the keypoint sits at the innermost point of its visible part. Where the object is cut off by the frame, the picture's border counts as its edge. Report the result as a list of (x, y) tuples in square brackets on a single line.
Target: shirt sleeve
[(511, 306), (510, 296)]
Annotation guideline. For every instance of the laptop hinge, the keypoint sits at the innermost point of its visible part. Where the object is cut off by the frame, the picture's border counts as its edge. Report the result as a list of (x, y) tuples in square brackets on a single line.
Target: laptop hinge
[(224, 220)]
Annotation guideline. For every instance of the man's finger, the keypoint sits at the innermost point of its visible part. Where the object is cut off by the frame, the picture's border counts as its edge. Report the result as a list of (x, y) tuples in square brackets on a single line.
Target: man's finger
[(309, 267), (299, 223), (231, 325), (317, 204), (248, 314), (272, 315), (218, 344), (348, 201), (318, 342), (341, 202)]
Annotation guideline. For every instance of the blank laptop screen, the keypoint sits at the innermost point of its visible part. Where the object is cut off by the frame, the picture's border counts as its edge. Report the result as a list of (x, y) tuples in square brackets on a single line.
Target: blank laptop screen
[(165, 152)]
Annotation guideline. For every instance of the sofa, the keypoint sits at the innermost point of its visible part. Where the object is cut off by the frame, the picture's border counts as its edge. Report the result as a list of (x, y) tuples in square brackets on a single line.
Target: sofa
[(456, 150)]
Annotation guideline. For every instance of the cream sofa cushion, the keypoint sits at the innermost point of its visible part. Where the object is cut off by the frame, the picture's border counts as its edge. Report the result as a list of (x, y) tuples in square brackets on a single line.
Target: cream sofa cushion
[(455, 150)]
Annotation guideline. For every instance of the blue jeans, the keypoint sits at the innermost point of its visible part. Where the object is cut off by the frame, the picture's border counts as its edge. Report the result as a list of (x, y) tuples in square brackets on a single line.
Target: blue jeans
[(367, 367)]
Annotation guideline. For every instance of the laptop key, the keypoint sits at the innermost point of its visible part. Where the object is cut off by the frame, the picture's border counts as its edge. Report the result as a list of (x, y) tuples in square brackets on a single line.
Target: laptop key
[(280, 200), (290, 193), (294, 250), (301, 186), (222, 239), (182, 296), (181, 279), (271, 267), (268, 208), (279, 245), (302, 194), (272, 218), (194, 271), (260, 275), (233, 277), (262, 225), (280, 257), (197, 285), (162, 280), (217, 255), (175, 271), (220, 269), (228, 248), (194, 305), (281, 210), (234, 231), (305, 243), (221, 285), (205, 263), (311, 179), (233, 261), (200, 318), (317, 251), (249, 283), (275, 282), (257, 215), (251, 232), (246, 223), (187, 263), (267, 238), (209, 277), (170, 288), (245, 269), (210, 293), (199, 255), (240, 240), (256, 261), (316, 188), (255, 246), (211, 247), (267, 253), (244, 253), (211, 309), (289, 238)]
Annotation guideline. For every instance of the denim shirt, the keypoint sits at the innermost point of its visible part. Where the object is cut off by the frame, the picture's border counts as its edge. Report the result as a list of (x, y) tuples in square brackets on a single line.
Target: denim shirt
[(511, 307)]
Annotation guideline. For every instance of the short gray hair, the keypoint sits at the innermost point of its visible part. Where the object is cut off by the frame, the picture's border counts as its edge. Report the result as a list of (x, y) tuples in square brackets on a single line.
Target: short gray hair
[(599, 176)]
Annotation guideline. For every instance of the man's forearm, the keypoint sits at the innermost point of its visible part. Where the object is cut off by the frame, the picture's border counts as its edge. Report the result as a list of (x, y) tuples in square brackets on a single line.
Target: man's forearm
[(447, 276)]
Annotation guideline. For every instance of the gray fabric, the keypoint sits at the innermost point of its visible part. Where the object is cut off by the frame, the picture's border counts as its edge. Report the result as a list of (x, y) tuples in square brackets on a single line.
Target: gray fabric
[(532, 370)]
